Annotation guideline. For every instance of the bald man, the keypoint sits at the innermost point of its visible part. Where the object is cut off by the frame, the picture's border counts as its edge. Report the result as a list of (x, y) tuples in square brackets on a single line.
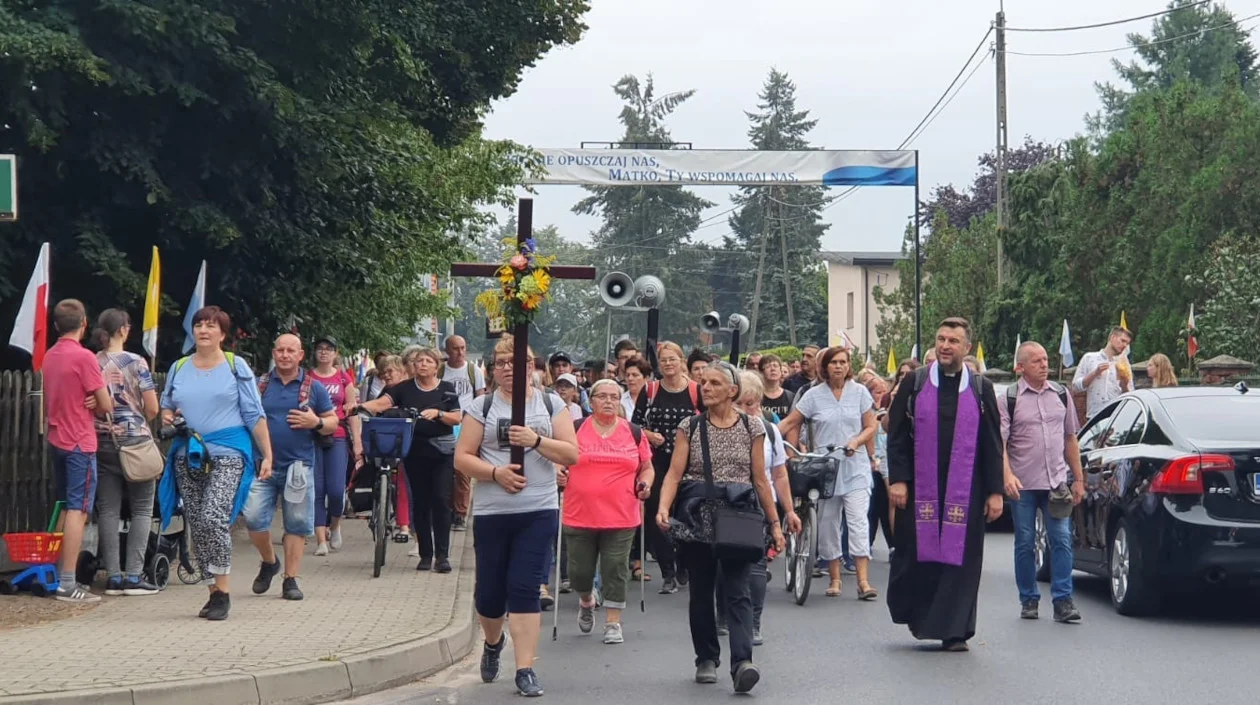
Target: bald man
[(298, 409), (469, 383)]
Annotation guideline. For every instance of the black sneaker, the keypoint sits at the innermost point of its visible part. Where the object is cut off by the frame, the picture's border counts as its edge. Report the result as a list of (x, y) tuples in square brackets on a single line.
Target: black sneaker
[(136, 587), (745, 677), (1029, 609), (425, 564), (218, 607), (490, 660), (1065, 611), (291, 590), (722, 629), (443, 565), (458, 524), (114, 587), (205, 609), (669, 587), (706, 672), (527, 683), (266, 573), (682, 578)]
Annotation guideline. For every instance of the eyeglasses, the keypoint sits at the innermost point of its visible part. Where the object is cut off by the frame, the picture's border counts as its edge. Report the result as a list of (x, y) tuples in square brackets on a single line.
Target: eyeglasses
[(507, 364)]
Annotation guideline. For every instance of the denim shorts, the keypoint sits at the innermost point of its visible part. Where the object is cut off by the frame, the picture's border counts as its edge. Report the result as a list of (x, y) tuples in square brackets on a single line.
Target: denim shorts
[(74, 474), (260, 508)]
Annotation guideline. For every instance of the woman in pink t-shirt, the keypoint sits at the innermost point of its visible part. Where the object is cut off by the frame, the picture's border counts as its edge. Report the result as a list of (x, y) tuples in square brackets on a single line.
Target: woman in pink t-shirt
[(601, 507), (331, 457)]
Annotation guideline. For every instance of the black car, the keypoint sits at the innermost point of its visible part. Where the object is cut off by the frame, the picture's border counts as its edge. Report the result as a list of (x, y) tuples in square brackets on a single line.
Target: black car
[(1172, 494)]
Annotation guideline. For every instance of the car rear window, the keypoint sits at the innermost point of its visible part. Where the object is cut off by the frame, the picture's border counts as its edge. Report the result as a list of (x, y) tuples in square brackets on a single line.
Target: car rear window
[(1208, 421)]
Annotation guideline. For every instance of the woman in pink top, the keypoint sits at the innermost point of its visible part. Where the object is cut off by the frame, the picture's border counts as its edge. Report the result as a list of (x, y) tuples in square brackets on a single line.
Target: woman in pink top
[(331, 461), (601, 506)]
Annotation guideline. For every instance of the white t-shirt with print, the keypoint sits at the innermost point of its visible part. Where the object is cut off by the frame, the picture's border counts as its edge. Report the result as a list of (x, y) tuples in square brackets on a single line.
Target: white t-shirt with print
[(465, 387)]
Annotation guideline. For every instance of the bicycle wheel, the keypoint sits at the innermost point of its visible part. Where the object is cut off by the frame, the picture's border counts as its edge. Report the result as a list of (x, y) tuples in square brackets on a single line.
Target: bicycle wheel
[(380, 521), (806, 555)]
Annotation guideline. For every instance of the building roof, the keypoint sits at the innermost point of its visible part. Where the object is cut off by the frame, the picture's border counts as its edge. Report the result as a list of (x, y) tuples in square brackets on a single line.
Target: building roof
[(870, 259)]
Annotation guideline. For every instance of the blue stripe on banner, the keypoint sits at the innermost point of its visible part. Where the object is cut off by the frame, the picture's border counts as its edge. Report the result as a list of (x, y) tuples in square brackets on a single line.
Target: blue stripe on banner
[(870, 176)]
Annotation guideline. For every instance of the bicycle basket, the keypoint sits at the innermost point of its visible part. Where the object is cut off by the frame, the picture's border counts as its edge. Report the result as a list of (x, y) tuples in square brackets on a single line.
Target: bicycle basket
[(805, 474), (387, 438)]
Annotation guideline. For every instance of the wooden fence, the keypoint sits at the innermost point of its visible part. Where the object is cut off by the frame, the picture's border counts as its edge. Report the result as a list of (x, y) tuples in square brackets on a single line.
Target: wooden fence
[(26, 484)]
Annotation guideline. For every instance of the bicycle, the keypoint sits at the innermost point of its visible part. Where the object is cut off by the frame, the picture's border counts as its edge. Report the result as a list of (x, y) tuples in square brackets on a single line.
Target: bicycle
[(386, 440), (812, 477)]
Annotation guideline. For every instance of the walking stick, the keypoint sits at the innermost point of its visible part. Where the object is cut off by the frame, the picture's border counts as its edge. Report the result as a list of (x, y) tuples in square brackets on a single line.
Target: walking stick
[(555, 624), (643, 560)]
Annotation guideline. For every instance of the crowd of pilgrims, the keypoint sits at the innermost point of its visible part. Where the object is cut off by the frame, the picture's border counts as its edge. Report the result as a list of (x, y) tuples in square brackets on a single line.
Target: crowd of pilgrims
[(623, 458)]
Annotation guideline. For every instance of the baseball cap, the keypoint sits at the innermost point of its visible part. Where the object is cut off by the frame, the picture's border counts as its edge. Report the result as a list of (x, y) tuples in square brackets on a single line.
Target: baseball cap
[(559, 356), (567, 379), (326, 339)]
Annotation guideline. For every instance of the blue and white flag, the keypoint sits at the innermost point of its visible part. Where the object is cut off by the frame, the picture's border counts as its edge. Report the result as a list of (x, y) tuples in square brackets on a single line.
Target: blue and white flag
[(914, 352), (197, 303), (1065, 347)]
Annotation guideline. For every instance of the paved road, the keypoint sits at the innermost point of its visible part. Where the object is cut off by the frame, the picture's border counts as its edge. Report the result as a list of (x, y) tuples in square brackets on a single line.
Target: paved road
[(840, 648)]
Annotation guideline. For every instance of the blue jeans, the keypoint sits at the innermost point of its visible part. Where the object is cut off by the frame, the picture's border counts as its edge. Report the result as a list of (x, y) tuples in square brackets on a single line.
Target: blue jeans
[(260, 506), (330, 481), (1058, 539)]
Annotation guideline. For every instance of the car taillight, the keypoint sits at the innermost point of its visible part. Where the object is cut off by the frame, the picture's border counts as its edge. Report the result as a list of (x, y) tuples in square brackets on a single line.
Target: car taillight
[(1185, 475)]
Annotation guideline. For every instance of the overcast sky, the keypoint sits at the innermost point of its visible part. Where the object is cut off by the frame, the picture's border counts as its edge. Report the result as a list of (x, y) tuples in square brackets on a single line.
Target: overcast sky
[(867, 71)]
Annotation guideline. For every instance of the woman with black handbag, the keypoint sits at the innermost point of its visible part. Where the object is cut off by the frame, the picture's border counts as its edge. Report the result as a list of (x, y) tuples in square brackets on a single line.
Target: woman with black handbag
[(724, 505)]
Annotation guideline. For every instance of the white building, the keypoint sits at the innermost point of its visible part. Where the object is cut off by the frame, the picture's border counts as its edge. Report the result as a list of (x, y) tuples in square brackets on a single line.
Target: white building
[(851, 281)]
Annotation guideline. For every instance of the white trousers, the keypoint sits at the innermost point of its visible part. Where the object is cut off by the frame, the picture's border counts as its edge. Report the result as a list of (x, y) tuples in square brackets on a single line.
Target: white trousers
[(833, 513)]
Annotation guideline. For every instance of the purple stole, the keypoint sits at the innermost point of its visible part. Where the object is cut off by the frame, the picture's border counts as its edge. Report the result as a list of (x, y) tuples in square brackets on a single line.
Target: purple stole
[(941, 527)]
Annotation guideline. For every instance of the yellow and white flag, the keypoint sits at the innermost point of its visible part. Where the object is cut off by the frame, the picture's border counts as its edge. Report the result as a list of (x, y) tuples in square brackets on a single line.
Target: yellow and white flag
[(892, 363), (980, 357), (153, 294)]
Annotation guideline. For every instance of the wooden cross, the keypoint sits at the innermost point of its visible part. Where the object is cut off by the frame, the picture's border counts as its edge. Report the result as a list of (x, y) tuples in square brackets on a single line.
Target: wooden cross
[(521, 372)]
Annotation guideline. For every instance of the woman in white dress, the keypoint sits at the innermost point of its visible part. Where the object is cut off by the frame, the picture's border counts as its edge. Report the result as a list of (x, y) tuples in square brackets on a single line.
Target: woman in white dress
[(840, 413)]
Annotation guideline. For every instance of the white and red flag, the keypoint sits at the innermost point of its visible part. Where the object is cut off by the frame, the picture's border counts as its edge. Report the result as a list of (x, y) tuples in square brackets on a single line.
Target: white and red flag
[(30, 330)]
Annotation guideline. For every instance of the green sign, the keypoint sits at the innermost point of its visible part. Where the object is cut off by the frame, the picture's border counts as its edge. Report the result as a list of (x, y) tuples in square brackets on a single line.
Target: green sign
[(8, 187)]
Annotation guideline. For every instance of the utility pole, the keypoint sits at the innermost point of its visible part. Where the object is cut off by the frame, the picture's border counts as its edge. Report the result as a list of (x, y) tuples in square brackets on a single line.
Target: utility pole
[(761, 268), (787, 278), (1000, 60)]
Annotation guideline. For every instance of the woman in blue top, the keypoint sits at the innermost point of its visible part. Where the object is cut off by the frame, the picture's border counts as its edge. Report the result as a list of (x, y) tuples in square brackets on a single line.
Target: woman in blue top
[(840, 413), (211, 462)]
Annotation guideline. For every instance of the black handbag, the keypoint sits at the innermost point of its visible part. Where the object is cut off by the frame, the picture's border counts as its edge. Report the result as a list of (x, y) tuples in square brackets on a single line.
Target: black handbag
[(739, 535)]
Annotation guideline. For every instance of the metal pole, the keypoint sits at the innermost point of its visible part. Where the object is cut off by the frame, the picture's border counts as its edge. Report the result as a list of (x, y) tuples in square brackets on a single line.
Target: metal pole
[(761, 267), (787, 281), (918, 263), (1000, 205)]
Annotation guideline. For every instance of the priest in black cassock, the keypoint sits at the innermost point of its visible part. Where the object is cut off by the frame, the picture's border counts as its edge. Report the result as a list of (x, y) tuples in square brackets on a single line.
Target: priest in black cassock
[(945, 470)]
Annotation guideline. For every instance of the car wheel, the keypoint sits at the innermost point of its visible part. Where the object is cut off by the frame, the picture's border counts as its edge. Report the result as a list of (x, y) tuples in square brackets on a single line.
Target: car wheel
[(1041, 550), (1133, 593)]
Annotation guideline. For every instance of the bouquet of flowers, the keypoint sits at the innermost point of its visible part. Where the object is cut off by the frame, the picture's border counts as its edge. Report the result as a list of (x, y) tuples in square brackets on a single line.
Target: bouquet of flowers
[(524, 283)]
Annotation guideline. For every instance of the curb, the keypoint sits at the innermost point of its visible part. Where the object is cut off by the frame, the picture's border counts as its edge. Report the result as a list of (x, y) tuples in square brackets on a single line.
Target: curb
[(308, 683)]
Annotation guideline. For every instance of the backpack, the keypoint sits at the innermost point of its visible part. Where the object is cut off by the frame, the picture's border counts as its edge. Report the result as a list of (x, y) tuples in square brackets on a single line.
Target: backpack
[(693, 390), (1012, 393), (489, 402), (304, 391), (635, 430), (231, 360)]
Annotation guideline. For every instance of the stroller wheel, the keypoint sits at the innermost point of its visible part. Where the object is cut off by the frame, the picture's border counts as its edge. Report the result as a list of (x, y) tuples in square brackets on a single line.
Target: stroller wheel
[(38, 589), (86, 568), (160, 571)]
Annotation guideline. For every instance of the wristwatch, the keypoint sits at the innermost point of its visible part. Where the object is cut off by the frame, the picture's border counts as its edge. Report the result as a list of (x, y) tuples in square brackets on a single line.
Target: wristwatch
[(320, 425)]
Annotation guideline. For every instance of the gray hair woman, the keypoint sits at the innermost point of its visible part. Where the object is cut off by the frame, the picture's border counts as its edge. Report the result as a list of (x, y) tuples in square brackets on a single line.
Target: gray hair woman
[(735, 455)]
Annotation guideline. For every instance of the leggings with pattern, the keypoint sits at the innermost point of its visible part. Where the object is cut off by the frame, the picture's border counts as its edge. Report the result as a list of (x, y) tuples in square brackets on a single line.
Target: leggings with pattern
[(208, 500)]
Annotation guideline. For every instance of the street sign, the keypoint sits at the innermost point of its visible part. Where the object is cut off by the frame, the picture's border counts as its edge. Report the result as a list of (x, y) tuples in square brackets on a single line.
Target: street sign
[(8, 187)]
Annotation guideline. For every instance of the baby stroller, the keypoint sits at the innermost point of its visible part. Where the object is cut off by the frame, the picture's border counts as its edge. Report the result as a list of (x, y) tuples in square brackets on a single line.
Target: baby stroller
[(163, 550)]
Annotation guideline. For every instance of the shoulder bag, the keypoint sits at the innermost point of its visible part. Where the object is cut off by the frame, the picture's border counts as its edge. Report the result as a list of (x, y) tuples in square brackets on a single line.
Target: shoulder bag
[(739, 535), (141, 461)]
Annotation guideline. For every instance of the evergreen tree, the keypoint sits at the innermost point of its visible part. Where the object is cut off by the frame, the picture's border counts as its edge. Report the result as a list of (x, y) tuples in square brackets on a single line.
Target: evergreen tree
[(772, 217)]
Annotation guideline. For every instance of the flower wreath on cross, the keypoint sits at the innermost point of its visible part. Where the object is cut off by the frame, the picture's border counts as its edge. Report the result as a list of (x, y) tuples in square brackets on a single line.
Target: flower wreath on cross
[(524, 283)]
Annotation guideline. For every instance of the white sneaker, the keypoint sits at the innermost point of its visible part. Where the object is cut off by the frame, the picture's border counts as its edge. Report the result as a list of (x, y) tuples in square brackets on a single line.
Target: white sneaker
[(76, 593), (414, 552), (334, 539), (612, 634), (321, 550)]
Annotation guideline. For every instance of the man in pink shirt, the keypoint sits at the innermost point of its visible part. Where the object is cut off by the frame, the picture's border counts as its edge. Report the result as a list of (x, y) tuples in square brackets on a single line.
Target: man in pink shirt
[(1042, 472), (73, 391)]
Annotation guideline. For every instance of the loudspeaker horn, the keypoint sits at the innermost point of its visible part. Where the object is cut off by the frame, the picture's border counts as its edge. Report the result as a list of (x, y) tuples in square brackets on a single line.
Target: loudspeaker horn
[(616, 289), (710, 322), (649, 291), (738, 322)]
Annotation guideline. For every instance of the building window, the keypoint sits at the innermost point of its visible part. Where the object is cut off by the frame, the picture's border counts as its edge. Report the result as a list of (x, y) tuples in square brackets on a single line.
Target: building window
[(848, 304)]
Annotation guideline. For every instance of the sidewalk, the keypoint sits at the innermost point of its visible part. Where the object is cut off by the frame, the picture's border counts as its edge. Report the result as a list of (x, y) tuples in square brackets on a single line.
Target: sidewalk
[(353, 634)]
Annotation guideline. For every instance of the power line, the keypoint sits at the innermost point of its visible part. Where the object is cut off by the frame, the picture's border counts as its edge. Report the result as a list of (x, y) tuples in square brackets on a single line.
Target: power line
[(961, 86), (1140, 45), (1108, 24)]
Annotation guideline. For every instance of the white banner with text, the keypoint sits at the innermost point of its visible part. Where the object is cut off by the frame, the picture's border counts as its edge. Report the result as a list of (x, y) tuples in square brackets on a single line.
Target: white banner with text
[(721, 167)]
